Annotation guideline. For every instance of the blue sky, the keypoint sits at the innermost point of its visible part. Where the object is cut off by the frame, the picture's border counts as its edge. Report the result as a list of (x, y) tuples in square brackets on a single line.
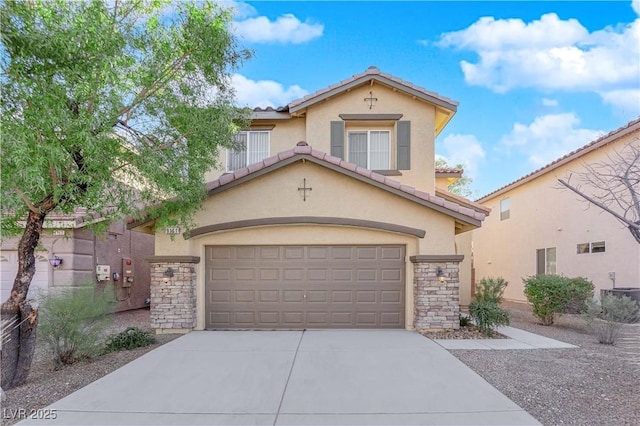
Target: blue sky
[(534, 80)]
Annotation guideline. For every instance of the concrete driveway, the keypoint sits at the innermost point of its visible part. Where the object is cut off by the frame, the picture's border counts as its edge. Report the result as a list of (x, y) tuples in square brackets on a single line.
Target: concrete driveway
[(318, 377)]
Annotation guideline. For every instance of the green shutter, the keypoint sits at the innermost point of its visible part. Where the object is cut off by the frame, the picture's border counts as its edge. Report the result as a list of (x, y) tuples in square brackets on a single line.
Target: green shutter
[(337, 139), (404, 145)]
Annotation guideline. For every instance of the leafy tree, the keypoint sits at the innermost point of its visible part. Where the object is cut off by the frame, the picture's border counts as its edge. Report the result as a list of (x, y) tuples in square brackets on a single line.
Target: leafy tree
[(613, 185), (104, 103), (461, 186)]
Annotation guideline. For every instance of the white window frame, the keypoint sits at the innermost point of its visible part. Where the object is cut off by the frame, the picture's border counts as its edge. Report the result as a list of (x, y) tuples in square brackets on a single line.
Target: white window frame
[(388, 132), (505, 213), (546, 261), (246, 160)]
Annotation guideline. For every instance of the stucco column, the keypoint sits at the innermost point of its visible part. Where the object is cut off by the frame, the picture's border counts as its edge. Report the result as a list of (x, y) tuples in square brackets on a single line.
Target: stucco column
[(436, 298), (173, 293)]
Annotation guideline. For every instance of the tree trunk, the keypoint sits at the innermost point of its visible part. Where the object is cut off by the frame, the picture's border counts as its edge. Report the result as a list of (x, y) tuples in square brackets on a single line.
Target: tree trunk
[(19, 317)]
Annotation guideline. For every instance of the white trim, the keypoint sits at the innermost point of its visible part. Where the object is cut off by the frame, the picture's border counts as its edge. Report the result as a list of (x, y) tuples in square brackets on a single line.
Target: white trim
[(368, 132), (246, 160)]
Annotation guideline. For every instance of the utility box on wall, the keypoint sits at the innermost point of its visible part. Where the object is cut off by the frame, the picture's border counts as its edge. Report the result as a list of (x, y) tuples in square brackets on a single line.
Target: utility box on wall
[(127, 272), (103, 272)]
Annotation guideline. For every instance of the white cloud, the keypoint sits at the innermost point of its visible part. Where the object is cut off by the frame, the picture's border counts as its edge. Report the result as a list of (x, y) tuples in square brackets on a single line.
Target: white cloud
[(285, 29), (635, 4), (549, 53), (240, 9), (548, 137), (627, 101), (548, 102), (264, 93), (462, 149)]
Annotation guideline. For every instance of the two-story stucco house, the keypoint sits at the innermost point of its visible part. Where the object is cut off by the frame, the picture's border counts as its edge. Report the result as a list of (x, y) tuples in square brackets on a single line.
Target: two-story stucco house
[(539, 227), (329, 216)]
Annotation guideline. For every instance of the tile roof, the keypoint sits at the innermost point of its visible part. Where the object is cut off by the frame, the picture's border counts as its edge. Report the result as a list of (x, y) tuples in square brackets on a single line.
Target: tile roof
[(375, 72), (603, 140), (303, 149), (449, 171)]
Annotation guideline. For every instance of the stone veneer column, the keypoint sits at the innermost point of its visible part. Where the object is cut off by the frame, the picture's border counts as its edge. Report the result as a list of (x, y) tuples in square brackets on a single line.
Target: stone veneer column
[(436, 299), (173, 299)]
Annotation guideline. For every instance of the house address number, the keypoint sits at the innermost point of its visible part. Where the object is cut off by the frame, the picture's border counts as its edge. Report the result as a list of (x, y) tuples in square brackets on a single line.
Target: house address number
[(175, 230)]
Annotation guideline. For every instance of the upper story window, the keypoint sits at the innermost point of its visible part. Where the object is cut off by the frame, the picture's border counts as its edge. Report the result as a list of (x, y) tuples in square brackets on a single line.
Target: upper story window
[(505, 209), (251, 147), (370, 149)]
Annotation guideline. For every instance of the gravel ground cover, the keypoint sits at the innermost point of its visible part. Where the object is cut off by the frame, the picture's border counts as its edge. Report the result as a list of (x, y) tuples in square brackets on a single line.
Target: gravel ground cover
[(46, 385), (593, 384)]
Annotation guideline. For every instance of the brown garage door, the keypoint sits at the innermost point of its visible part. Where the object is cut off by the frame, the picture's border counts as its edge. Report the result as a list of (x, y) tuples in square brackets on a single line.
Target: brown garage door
[(305, 287)]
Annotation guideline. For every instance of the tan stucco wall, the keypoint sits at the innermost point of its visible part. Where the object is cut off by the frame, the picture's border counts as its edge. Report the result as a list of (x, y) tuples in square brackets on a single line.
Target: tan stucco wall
[(542, 216), (463, 246), (333, 195), (421, 115), (314, 128)]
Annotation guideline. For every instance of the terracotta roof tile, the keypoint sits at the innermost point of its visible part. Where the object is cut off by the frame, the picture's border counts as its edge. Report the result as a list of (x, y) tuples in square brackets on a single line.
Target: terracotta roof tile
[(372, 70), (256, 166), (349, 166), (465, 207), (226, 178)]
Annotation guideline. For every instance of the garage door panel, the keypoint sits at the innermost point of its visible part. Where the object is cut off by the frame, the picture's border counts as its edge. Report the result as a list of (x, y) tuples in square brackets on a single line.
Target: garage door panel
[(269, 253), (392, 253), (314, 296), (295, 253), (341, 275), (305, 287), (219, 296), (293, 274), (267, 296)]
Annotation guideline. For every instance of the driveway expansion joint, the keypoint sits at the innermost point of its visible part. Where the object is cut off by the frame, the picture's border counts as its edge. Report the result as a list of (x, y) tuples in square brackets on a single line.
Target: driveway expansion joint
[(284, 391)]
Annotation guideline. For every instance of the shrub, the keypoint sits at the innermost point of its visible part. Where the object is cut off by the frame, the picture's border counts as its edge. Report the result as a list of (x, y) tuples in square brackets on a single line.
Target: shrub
[(609, 316), (549, 295), (580, 291), (72, 321), (490, 289), (464, 321), (488, 315), (130, 338), (484, 309)]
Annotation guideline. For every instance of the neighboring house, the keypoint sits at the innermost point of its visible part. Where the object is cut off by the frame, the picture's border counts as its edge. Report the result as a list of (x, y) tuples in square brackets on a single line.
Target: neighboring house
[(327, 215), (121, 251), (539, 227)]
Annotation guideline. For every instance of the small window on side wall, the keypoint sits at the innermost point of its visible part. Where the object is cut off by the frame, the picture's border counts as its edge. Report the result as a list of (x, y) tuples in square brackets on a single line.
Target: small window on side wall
[(597, 247), (505, 209), (583, 248)]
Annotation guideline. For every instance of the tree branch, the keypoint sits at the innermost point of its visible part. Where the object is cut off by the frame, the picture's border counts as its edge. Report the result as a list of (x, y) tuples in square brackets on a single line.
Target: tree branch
[(27, 201)]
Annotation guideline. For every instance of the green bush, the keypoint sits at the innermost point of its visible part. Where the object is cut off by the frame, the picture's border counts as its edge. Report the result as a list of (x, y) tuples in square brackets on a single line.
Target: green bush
[(484, 309), (72, 322), (464, 320), (579, 293), (609, 316), (549, 295), (490, 289), (130, 338), (488, 315)]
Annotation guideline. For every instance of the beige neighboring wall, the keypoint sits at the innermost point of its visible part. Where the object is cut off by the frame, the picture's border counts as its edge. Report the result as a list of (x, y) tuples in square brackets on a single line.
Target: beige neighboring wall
[(542, 215), (333, 195)]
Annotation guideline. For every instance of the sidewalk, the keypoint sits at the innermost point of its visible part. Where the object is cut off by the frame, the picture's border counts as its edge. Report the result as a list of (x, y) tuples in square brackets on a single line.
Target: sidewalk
[(518, 339)]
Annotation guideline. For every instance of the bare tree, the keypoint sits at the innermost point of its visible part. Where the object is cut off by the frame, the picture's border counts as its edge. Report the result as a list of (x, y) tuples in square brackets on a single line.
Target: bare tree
[(614, 185)]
